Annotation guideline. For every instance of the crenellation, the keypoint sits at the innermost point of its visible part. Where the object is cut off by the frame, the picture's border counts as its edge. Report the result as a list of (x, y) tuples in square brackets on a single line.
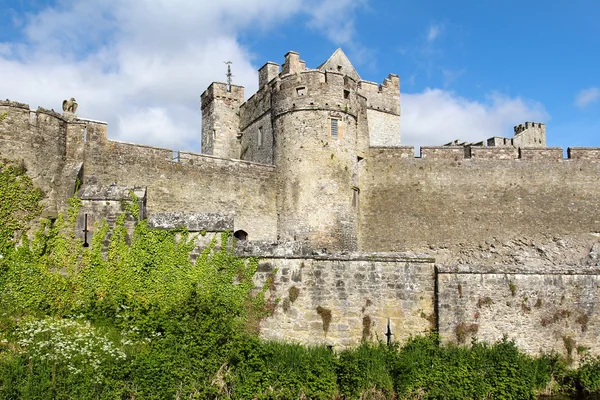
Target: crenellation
[(591, 154), (267, 73), (541, 154), (292, 64), (15, 104), (443, 152), (499, 141), (493, 153)]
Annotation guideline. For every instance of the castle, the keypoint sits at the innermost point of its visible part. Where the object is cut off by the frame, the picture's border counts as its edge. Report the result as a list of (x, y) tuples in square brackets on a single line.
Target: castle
[(361, 237)]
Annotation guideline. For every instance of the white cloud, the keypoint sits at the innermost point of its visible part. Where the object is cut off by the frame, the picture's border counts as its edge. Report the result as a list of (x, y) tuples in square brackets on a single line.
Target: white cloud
[(436, 117), (587, 96), (434, 32), (141, 65)]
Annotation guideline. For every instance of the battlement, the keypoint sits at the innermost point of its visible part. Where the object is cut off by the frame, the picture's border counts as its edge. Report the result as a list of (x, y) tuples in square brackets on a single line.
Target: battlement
[(219, 90), (292, 63), (476, 153), (15, 104), (267, 73), (528, 125), (314, 89)]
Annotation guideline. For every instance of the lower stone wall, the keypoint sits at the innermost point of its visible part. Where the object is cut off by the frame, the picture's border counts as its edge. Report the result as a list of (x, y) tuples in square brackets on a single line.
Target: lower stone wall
[(541, 309), (340, 301)]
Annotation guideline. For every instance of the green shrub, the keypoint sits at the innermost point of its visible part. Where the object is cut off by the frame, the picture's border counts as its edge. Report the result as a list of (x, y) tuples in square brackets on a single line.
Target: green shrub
[(284, 371), (364, 371), (424, 369), (589, 374)]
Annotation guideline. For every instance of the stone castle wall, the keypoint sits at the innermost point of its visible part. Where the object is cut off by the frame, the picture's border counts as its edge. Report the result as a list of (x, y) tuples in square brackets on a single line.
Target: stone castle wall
[(314, 167), (39, 139), (541, 309), (443, 199), (192, 183), (340, 301), (58, 153)]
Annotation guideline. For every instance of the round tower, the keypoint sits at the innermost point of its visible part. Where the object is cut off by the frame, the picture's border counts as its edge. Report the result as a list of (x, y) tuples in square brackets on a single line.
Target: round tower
[(315, 117)]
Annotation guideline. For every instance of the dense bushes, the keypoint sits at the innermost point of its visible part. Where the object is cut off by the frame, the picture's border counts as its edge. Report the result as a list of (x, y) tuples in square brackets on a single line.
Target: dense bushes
[(138, 319)]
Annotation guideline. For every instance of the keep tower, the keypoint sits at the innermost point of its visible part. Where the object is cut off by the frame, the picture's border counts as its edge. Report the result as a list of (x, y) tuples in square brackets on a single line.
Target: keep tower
[(320, 132), (315, 126)]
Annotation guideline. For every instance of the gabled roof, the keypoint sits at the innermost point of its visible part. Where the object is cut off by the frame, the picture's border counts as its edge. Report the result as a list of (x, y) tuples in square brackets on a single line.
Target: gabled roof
[(339, 62)]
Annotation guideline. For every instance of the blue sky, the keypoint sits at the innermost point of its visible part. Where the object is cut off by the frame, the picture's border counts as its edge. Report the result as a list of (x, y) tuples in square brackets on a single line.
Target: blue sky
[(468, 69)]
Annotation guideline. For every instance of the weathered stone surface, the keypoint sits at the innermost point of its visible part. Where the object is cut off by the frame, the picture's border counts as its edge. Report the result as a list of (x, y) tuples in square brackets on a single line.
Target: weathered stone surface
[(193, 222), (413, 204), (350, 288), (110, 192), (541, 310)]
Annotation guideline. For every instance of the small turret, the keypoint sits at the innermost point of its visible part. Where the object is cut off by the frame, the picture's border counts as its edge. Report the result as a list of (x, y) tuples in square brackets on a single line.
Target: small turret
[(530, 134), (220, 106)]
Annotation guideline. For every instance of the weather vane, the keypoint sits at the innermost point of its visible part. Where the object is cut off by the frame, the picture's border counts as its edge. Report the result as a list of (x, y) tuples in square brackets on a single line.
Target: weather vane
[(229, 75)]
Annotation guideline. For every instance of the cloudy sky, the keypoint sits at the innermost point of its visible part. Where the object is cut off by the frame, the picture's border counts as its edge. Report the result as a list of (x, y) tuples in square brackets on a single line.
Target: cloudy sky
[(468, 69)]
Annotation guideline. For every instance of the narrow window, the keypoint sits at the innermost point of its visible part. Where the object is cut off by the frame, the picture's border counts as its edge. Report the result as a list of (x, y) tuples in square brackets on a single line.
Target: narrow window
[(346, 94), (214, 134), (85, 232), (339, 67), (334, 128), (260, 136), (355, 192)]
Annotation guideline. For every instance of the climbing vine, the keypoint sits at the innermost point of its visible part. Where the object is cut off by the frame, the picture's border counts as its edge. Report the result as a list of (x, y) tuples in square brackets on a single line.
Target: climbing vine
[(20, 203)]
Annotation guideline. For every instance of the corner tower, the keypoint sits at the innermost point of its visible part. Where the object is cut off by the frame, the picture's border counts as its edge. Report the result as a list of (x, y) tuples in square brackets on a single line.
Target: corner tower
[(220, 106)]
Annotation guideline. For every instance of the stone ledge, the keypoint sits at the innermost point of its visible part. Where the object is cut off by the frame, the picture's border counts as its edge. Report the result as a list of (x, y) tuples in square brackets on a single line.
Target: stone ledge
[(193, 222)]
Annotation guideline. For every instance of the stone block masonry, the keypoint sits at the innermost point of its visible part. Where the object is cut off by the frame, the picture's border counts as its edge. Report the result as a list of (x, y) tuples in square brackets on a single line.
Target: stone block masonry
[(541, 309), (340, 301), (414, 204)]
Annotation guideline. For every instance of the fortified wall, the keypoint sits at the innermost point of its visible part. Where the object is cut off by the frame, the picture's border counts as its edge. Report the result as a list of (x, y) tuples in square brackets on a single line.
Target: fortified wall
[(445, 199), (62, 154), (362, 240)]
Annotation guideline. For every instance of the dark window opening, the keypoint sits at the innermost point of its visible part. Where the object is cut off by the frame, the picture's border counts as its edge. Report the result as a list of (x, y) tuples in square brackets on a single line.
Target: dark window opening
[(346, 94), (240, 235), (339, 68), (85, 232), (301, 91)]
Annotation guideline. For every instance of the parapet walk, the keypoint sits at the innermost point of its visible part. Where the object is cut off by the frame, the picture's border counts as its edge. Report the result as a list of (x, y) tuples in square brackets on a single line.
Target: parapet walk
[(492, 153)]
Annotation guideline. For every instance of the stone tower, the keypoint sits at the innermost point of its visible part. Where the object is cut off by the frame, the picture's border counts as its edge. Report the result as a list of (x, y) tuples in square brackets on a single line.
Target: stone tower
[(315, 126), (220, 106), (530, 134), (319, 123)]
